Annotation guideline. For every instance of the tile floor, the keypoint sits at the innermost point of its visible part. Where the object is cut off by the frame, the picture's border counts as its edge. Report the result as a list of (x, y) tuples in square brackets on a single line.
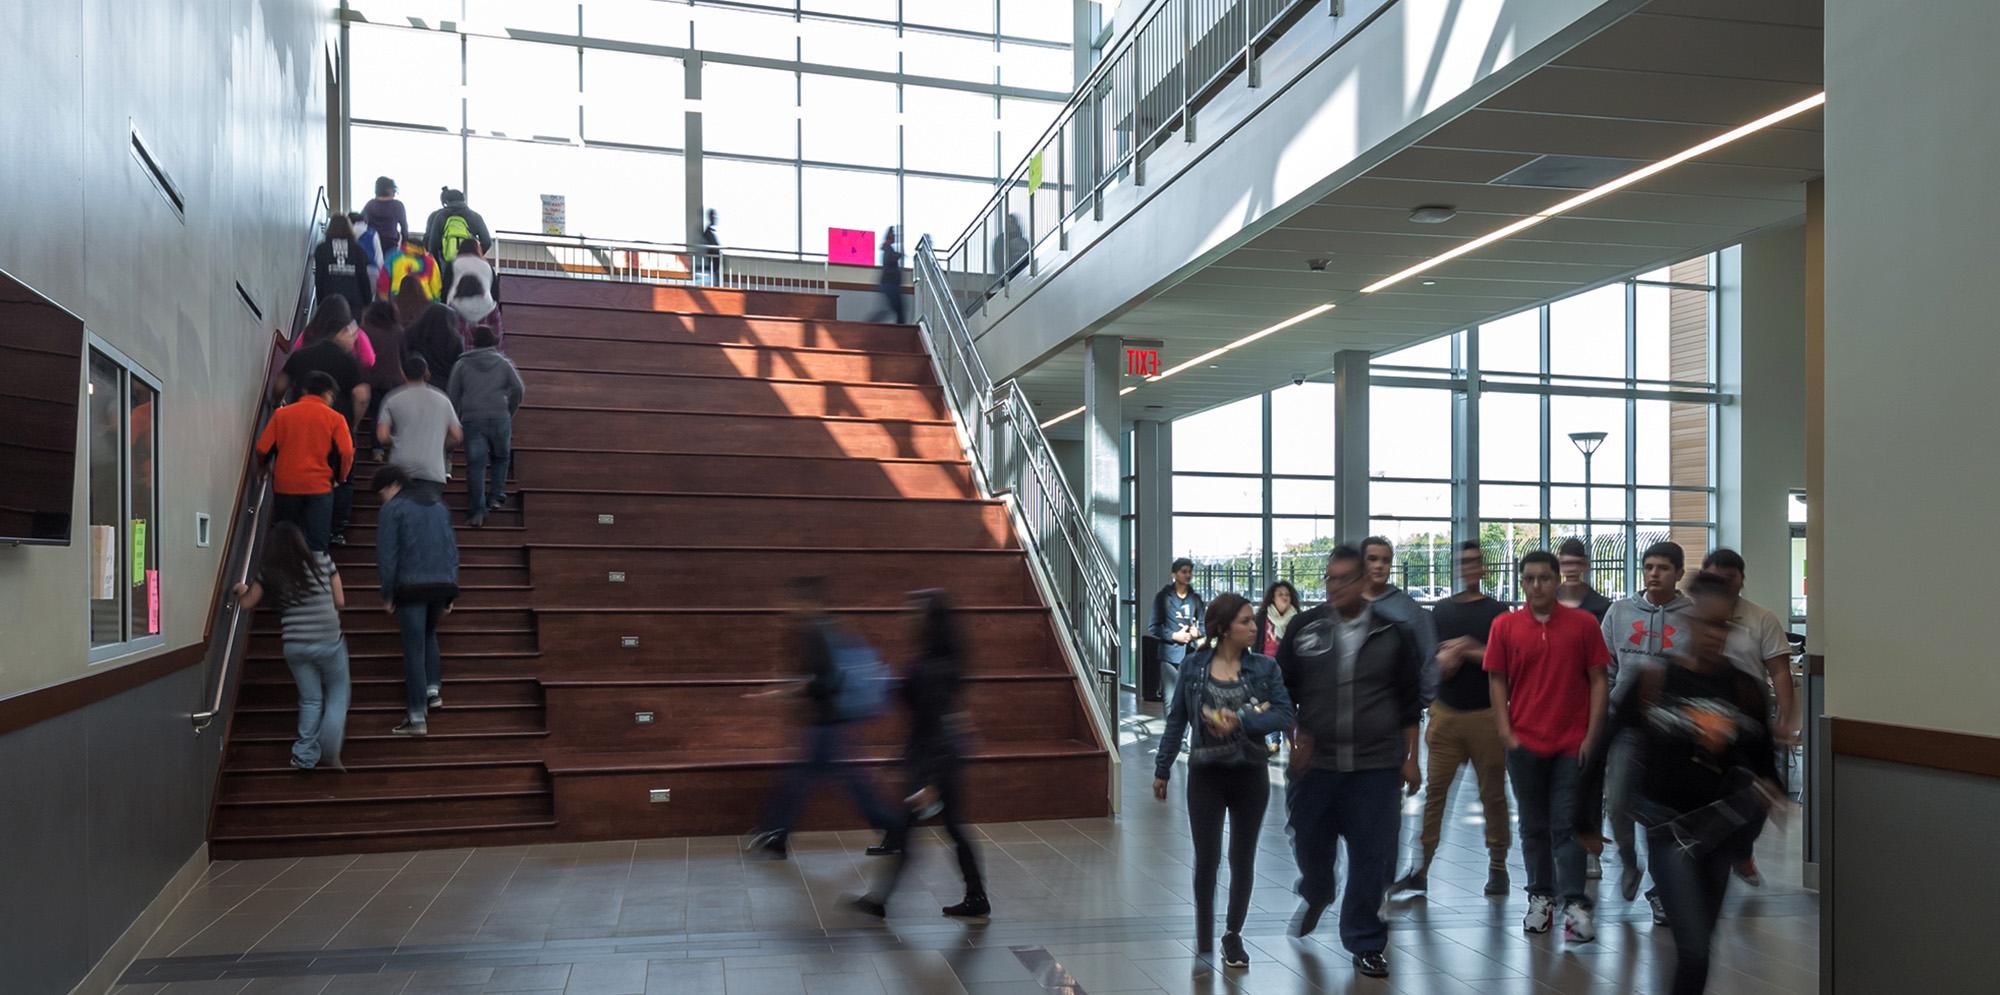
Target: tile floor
[(1082, 906)]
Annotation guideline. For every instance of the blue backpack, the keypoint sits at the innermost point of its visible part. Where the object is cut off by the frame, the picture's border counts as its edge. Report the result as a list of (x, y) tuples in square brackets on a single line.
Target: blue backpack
[(862, 691)]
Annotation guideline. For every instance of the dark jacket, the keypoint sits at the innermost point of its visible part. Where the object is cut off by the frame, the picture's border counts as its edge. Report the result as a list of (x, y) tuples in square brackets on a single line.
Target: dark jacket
[(1260, 677), (814, 652), (1681, 761), (1396, 605), (434, 336), (340, 270), (434, 229), (1162, 626), (415, 549), (931, 692), (1355, 718)]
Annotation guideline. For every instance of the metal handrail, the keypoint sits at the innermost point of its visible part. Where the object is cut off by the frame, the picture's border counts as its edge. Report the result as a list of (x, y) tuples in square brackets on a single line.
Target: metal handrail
[(1013, 458), (727, 267), (245, 539), (1176, 56)]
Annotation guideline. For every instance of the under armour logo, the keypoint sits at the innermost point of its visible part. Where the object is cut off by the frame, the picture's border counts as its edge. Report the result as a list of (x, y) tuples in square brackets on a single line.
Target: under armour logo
[(1639, 633)]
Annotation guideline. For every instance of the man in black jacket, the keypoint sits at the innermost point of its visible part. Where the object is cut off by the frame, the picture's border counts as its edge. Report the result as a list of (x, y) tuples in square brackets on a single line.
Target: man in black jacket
[(1356, 680), (1176, 622)]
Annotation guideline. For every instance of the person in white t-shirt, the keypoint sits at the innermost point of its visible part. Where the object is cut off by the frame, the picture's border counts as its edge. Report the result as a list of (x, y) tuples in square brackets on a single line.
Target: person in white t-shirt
[(1757, 646)]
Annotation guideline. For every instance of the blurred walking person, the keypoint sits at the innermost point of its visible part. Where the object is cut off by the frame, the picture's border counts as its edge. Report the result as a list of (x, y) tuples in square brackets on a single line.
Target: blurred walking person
[(1234, 699), (486, 389), (417, 558), (388, 222), (312, 450), (934, 758), (890, 282), (471, 292), (1651, 626), (305, 585), (1393, 604), (842, 682), (430, 329)]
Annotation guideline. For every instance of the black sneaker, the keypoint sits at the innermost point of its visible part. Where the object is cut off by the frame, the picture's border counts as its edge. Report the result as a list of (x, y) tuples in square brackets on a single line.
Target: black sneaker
[(865, 904), (1372, 965), (409, 728), (1233, 954), (974, 907), (1307, 918), (1659, 909), (337, 539), (770, 842), (882, 849), (1496, 881), (1415, 880), (433, 698)]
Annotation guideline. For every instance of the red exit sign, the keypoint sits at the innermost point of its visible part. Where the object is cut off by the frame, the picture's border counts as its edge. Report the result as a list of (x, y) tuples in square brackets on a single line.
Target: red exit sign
[(1142, 362)]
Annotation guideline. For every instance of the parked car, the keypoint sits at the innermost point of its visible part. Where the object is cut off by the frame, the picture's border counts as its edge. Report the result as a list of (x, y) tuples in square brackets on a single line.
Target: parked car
[(1430, 593)]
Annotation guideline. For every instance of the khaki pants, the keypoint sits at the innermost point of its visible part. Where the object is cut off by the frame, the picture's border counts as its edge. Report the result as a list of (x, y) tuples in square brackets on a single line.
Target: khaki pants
[(1456, 738)]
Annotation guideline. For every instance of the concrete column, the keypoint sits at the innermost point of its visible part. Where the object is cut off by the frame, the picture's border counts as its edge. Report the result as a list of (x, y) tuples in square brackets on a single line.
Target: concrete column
[(1819, 741), (1152, 519), (1103, 355), (1350, 443), (1761, 322), (695, 210)]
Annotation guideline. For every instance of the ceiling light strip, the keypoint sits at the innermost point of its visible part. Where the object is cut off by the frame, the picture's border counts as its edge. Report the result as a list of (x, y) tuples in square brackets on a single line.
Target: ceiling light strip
[(1604, 190), (1305, 315)]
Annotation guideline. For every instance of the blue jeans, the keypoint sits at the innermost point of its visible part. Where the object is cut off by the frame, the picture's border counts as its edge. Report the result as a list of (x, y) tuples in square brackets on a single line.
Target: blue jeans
[(1363, 808), (320, 670), (1545, 789), (825, 748), (422, 668), (489, 450), (1691, 886), (312, 513)]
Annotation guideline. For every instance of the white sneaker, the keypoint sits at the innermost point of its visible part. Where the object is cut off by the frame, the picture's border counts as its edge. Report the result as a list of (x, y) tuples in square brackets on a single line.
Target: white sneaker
[(1540, 911), (1592, 867), (1578, 926)]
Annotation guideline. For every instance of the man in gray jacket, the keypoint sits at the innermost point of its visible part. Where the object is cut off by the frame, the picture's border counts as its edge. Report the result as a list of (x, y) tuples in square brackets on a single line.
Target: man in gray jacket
[(1393, 604), (1651, 626), (486, 390)]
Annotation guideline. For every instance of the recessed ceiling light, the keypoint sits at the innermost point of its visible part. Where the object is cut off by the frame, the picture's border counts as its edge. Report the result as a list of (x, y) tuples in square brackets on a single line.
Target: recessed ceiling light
[(1779, 115), (1433, 214), (1430, 283)]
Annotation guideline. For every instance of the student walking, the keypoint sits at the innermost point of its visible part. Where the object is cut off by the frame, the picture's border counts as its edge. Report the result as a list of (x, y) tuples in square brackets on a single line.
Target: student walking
[(1355, 679), (430, 329), (1699, 728), (1575, 591), (1648, 627), (1758, 647), (934, 758), (1461, 729), (407, 261), (471, 291), (417, 557), (333, 348), (1546, 666), (1177, 614), (1573, 557), (305, 585), (841, 682), (339, 267), (419, 425), (889, 283), (1234, 700), (379, 323), (1393, 604), (314, 451), (486, 389), (1280, 606), (388, 223), (452, 228)]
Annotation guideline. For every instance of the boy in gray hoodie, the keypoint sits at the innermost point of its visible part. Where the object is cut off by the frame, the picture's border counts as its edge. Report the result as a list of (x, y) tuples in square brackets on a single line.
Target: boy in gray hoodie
[(486, 390), (1650, 627)]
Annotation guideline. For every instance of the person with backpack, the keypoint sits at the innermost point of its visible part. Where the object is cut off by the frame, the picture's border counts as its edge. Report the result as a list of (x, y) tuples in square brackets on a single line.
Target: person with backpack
[(453, 227), (470, 290), (305, 585), (934, 758), (843, 682)]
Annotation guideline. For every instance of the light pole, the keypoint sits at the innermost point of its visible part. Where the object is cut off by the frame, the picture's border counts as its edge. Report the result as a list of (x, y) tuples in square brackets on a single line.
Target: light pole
[(1587, 443)]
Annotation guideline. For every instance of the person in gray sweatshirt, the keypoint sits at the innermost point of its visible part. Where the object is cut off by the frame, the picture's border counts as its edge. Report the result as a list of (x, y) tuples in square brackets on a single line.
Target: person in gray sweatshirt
[(1651, 627), (486, 389)]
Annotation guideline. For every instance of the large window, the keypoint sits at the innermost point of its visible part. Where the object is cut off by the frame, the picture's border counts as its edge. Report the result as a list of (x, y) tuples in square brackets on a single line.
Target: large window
[(123, 445), (446, 94), (1248, 513)]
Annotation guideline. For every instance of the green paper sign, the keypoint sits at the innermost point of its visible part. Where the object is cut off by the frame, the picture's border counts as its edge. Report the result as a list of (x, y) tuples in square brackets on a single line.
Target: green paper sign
[(138, 551), (1034, 174)]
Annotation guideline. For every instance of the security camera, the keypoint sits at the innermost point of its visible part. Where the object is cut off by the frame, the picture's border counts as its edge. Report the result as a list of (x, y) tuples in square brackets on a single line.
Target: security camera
[(1317, 265), (1298, 378)]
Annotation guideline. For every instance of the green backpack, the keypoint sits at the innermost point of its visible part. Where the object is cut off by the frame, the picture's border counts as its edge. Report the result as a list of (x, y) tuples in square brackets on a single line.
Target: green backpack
[(455, 230)]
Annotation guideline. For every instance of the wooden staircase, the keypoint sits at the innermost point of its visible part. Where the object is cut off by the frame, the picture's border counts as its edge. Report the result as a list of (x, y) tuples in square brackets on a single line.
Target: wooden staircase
[(681, 454)]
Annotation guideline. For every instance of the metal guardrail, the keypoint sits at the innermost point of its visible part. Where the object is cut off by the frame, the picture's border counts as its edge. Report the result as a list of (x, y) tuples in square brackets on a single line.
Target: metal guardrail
[(1013, 457), (248, 534), (1150, 85), (665, 263)]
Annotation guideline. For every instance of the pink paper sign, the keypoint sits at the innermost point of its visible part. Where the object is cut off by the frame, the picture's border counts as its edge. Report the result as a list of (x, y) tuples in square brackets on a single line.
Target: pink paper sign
[(152, 601), (850, 246)]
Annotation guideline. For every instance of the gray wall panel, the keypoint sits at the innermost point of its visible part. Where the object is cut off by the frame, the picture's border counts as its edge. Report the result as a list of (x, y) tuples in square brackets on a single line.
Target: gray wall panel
[(44, 934)]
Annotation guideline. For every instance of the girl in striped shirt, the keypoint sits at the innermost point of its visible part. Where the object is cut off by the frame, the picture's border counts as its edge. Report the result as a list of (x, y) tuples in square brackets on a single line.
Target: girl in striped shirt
[(306, 588)]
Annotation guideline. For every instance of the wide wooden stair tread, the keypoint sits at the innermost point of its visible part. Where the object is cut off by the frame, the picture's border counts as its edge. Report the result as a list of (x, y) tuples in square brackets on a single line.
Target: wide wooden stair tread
[(682, 452)]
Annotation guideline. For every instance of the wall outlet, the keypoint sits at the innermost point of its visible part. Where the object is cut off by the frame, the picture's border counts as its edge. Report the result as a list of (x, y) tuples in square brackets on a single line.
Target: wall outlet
[(628, 642), (642, 718), (201, 529), (615, 576), (606, 519), (659, 796)]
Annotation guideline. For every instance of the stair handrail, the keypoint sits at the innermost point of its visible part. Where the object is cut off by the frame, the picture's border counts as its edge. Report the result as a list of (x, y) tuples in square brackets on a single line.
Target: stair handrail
[(1013, 458), (244, 539), (727, 267)]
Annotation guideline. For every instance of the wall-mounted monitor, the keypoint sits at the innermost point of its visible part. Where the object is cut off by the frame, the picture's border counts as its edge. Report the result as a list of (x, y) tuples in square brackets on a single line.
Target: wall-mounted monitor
[(41, 359)]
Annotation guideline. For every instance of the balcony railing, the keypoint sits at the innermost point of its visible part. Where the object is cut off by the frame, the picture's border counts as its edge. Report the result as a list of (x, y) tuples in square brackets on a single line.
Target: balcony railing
[(667, 263), (1149, 86)]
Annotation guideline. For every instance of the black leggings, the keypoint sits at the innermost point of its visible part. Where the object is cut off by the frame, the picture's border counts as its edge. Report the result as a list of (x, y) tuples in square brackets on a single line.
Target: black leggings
[(1243, 791), (947, 777)]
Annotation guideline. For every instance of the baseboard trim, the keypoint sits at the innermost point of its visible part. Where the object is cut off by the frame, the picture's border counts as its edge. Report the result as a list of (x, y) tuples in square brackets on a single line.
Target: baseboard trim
[(1959, 752), (116, 961)]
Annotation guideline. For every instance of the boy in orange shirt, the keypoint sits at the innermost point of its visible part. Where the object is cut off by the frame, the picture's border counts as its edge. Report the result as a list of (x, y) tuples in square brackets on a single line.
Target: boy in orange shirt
[(315, 452)]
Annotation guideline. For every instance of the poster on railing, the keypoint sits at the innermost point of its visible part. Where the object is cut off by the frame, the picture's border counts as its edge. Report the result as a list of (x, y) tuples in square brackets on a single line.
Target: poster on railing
[(555, 214), (850, 246)]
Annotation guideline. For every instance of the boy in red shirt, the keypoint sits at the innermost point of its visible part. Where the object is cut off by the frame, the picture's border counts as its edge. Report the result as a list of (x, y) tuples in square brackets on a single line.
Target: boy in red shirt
[(1545, 665), (315, 452)]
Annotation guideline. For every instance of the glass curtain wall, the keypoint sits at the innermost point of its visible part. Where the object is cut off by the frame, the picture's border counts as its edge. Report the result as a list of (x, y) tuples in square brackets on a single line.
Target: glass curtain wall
[(876, 113), (1488, 418)]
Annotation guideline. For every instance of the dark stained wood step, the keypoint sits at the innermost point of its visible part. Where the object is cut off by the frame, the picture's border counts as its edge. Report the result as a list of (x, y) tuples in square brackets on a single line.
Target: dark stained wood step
[(378, 838), (756, 641), (465, 808), (354, 576), (264, 690), (363, 536), (508, 517), (385, 643), (664, 326), (329, 787), (367, 616), (688, 577), (469, 595), (354, 555), (559, 291), (254, 722), (779, 435), (757, 519), (732, 394), (370, 743), (550, 352), (609, 468)]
